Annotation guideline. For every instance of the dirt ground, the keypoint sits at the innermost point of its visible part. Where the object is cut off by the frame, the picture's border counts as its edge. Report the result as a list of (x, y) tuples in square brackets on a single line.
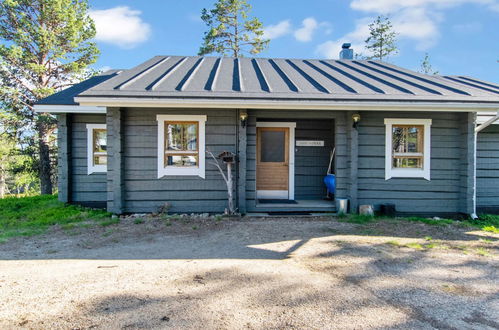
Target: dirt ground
[(252, 273)]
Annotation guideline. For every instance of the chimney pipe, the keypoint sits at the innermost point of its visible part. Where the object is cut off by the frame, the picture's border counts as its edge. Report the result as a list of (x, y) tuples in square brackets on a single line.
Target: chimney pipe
[(346, 52)]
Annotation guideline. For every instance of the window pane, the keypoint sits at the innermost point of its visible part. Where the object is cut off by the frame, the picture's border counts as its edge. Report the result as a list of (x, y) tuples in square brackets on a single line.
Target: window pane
[(407, 138), (412, 139), (181, 160), (181, 136), (407, 163), (100, 140), (273, 146), (100, 160)]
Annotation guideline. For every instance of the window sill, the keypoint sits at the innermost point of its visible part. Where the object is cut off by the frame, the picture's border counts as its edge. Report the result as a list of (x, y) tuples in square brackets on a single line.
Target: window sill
[(407, 173), (180, 171), (97, 169)]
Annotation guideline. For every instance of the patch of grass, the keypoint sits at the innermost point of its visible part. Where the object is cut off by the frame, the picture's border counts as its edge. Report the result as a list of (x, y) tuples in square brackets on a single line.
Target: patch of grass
[(492, 229), (416, 246), (482, 252), (28, 216), (394, 243), (109, 222), (486, 222), (219, 217), (428, 238), (194, 227), (432, 222), (138, 221)]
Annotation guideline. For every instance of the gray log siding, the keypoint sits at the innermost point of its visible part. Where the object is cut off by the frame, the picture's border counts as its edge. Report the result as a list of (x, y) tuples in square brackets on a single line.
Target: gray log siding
[(488, 170), (115, 166), (311, 165), (144, 192), (85, 189), (413, 195), (64, 123)]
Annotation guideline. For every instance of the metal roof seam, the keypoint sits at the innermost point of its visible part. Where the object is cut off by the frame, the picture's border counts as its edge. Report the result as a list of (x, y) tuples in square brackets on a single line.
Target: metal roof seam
[(479, 82), (309, 78), (291, 85), (264, 85), (348, 75), (162, 77), (189, 75), (471, 84), (330, 77), (381, 80), (405, 81), (428, 81), (141, 74)]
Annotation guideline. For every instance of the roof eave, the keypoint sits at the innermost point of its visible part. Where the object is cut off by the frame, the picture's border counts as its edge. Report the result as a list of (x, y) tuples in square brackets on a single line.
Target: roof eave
[(287, 104)]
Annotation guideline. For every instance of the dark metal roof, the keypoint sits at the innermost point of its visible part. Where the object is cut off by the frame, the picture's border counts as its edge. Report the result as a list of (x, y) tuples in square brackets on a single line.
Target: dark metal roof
[(287, 79), (66, 96)]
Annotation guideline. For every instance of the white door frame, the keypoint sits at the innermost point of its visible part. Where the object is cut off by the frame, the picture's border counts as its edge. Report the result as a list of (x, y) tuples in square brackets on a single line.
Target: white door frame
[(291, 180)]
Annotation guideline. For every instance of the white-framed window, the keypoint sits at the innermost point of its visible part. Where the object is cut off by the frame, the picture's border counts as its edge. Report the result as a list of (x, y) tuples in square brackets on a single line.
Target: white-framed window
[(407, 148), (181, 145), (96, 148)]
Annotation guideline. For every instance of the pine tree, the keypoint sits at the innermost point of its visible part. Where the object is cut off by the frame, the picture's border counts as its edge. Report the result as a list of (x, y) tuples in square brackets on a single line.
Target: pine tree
[(230, 31), (382, 39), (426, 66), (45, 47)]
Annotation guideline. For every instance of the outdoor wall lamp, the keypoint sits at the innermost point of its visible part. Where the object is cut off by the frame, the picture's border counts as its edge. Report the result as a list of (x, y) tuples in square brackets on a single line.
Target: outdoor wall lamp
[(243, 116), (356, 120)]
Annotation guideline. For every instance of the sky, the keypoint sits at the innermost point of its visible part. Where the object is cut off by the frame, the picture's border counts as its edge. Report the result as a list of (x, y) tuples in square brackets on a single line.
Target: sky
[(460, 36)]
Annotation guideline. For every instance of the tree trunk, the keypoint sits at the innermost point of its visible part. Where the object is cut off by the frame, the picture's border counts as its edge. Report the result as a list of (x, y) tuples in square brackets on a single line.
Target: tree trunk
[(2, 184), (44, 168)]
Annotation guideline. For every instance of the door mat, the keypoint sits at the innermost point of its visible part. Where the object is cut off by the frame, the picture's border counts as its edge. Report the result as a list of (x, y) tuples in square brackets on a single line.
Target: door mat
[(276, 201)]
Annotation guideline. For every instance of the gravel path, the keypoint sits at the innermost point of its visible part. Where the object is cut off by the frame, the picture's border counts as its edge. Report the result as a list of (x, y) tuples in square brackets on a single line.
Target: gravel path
[(251, 273)]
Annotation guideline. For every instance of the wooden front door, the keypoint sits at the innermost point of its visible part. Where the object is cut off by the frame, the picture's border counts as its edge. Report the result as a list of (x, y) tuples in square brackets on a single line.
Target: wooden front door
[(272, 162)]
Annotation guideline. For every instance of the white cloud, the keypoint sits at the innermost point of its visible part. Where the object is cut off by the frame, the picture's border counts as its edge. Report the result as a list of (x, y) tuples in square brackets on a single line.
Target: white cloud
[(332, 48), (120, 26), (415, 20), (390, 6), (278, 30), (418, 25), (304, 34)]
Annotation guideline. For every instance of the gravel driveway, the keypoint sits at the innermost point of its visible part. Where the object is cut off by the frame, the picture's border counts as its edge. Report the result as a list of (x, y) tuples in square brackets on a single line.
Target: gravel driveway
[(252, 273)]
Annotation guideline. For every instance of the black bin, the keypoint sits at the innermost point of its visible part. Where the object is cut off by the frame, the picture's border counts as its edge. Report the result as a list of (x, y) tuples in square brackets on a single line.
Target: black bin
[(388, 210)]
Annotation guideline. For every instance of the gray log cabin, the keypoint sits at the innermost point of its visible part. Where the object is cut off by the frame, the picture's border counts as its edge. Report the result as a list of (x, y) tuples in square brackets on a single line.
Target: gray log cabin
[(132, 140)]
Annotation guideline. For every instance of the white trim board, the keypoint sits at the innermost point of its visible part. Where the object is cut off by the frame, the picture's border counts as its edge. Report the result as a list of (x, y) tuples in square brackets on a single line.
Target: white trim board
[(91, 168), (69, 108), (288, 104), (291, 178), (182, 171), (406, 172)]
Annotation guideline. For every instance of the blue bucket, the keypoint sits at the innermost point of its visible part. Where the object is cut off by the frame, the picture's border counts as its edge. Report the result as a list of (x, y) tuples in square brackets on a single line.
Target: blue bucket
[(330, 181)]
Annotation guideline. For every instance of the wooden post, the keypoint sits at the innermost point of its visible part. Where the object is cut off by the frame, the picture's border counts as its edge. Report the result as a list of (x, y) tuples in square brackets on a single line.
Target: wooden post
[(115, 166), (353, 138), (64, 157), (241, 165)]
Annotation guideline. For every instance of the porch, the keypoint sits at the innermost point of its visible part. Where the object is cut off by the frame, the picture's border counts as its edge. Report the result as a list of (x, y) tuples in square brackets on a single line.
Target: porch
[(288, 156)]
